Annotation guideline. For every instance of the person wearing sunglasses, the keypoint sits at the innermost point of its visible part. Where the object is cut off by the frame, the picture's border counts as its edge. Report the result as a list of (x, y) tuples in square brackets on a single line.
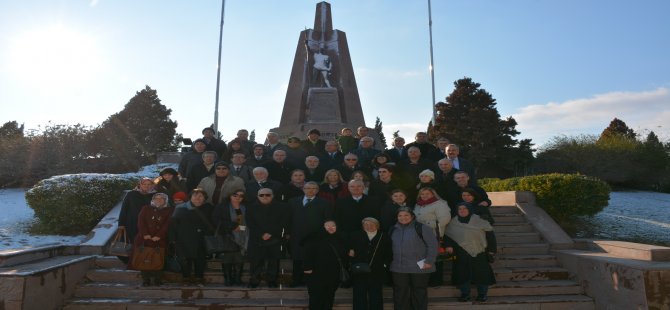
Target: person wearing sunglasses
[(266, 221)]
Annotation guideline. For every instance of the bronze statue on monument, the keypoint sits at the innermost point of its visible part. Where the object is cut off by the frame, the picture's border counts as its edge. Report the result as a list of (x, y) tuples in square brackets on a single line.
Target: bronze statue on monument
[(322, 92)]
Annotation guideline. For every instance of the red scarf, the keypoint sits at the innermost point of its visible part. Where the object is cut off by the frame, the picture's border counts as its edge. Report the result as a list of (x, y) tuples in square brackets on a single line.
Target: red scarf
[(422, 202)]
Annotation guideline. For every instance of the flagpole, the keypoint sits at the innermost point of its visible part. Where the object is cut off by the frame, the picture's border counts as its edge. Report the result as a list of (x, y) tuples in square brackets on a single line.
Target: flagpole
[(218, 72), (432, 71)]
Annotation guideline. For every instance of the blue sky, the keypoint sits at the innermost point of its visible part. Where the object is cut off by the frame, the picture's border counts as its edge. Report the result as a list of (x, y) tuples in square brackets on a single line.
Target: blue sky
[(559, 67)]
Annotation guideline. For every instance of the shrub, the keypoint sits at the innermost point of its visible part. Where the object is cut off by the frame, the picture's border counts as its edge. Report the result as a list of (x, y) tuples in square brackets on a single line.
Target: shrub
[(72, 204), (563, 196)]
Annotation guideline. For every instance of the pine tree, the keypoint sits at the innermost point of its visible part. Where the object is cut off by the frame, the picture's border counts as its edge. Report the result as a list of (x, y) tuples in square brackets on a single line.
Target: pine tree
[(619, 128), (378, 128), (139, 131), (252, 135), (471, 120)]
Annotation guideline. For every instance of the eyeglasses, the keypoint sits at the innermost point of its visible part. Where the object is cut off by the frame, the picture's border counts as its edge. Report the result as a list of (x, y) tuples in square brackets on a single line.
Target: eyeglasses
[(237, 195), (264, 195), (350, 159), (221, 168)]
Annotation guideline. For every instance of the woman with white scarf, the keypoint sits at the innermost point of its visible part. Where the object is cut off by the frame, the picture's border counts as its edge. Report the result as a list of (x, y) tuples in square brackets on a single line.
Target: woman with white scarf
[(472, 241)]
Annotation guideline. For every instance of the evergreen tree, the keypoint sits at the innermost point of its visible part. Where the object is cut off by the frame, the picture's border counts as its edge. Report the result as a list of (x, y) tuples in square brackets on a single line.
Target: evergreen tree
[(617, 127), (396, 134), (470, 119), (252, 135), (134, 135), (378, 128), (13, 154)]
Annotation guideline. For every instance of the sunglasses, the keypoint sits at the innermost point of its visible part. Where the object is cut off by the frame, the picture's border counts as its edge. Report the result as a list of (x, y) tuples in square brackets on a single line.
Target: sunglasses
[(264, 195)]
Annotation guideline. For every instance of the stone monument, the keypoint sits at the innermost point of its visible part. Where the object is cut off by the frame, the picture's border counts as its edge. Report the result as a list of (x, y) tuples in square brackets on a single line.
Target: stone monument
[(322, 92)]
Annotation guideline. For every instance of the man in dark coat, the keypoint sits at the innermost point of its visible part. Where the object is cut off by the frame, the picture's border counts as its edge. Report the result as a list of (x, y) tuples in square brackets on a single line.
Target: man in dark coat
[(444, 180), (266, 220), (398, 152), (295, 154), (421, 141), (201, 171), (463, 181), (273, 144), (349, 166), (307, 214), (332, 157), (313, 145), (313, 170), (414, 164), (192, 158), (350, 211), (240, 169), (460, 163), (213, 144), (258, 157), (278, 168), (366, 152), (261, 181), (385, 184)]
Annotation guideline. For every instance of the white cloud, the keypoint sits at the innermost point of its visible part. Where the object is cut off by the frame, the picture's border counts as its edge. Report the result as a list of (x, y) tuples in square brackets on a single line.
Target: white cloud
[(642, 111), (93, 3)]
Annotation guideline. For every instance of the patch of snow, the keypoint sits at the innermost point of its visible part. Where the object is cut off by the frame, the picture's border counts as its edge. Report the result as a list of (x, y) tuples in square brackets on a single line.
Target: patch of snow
[(17, 216)]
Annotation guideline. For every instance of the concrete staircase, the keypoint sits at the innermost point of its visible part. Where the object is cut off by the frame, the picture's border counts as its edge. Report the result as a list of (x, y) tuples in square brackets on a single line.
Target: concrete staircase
[(528, 276)]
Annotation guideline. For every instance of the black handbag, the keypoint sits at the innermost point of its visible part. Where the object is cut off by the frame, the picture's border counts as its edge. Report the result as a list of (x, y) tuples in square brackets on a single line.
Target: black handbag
[(345, 278), (172, 263), (363, 267), (213, 243), (120, 245)]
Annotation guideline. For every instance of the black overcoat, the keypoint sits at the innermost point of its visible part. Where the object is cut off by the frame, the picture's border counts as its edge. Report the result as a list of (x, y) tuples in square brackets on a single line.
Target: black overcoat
[(306, 220), (271, 219), (187, 230), (363, 252)]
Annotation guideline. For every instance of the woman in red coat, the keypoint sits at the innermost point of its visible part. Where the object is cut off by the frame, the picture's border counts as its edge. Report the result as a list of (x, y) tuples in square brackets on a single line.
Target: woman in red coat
[(152, 230)]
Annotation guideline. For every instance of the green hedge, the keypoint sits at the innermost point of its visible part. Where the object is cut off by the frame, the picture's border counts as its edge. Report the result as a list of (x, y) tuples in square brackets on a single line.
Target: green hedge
[(563, 196), (73, 204)]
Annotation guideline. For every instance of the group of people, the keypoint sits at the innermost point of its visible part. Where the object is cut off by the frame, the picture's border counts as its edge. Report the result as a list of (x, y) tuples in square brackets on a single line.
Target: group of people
[(335, 207)]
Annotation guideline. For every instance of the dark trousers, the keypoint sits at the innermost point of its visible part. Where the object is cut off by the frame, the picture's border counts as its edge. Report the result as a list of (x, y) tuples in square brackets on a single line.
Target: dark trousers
[(297, 275), (196, 265), (436, 277), (321, 295), (261, 263), (410, 291), (482, 290), (367, 294)]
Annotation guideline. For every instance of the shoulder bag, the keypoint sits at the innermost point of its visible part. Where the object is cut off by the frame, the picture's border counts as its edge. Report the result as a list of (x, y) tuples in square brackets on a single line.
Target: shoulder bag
[(120, 245), (363, 267)]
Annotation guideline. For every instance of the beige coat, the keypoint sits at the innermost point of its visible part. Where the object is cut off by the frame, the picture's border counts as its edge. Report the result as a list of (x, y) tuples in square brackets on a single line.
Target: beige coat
[(434, 213), (230, 185)]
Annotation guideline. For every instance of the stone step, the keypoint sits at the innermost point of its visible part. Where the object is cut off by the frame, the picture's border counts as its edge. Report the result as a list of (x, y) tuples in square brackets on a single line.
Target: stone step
[(517, 237), (216, 291), (502, 274), (513, 227), (535, 260), (504, 210), (572, 302), (509, 218), (505, 249)]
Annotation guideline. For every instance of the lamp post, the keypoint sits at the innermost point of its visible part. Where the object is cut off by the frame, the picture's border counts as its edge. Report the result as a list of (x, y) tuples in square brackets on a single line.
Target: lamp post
[(218, 72), (432, 71)]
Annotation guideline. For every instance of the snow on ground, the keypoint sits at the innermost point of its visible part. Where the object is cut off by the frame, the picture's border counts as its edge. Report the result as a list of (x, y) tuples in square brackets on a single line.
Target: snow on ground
[(16, 216)]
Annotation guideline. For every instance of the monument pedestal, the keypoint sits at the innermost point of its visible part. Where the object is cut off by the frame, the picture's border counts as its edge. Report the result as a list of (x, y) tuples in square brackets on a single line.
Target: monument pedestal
[(308, 105), (323, 106)]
